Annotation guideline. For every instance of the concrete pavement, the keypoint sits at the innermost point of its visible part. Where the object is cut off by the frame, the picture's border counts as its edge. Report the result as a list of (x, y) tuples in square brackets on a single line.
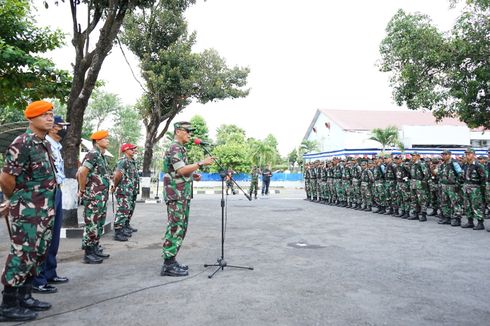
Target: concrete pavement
[(313, 265)]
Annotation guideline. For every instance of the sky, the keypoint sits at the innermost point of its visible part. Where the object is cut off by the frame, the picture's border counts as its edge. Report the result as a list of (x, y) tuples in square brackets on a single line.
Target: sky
[(303, 56)]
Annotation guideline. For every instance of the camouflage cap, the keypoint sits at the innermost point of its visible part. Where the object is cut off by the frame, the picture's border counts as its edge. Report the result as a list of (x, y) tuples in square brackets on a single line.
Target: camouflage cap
[(415, 154), (435, 160), (184, 125), (470, 150), (481, 157), (444, 152)]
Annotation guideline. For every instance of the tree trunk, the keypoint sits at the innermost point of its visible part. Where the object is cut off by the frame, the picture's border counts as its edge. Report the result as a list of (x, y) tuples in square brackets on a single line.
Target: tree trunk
[(85, 73)]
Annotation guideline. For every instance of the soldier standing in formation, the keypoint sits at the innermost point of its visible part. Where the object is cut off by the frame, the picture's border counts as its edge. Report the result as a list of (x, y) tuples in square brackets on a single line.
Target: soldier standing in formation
[(177, 195), (93, 182), (28, 180), (48, 273), (254, 182), (419, 188), (450, 177), (474, 183), (126, 181)]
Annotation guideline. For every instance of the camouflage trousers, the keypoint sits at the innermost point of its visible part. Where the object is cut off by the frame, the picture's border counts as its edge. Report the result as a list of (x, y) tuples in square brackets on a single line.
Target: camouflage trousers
[(379, 193), (254, 187), (473, 201), (31, 236), (332, 196), (356, 191), (434, 195), (323, 189), (178, 220), (347, 190), (307, 188), (366, 194), (402, 196), (340, 189), (314, 188), (94, 215), (125, 209), (451, 201), (419, 196), (487, 195), (389, 193)]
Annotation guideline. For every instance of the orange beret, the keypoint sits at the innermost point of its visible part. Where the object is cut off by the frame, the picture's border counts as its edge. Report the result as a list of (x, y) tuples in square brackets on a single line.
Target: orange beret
[(98, 135), (37, 108)]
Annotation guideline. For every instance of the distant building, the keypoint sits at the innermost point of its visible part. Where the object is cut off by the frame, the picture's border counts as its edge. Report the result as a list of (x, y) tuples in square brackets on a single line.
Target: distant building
[(347, 132)]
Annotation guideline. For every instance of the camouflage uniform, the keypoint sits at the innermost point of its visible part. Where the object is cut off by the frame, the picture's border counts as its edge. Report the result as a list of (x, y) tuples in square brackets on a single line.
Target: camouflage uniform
[(95, 197), (474, 183), (450, 175), (367, 180), (306, 174), (332, 197), (347, 183), (313, 182), (126, 191), (31, 207), (390, 188), (254, 182), (177, 196), (419, 189), (323, 182), (338, 184), (378, 189), (487, 185), (402, 192), (434, 187), (356, 184)]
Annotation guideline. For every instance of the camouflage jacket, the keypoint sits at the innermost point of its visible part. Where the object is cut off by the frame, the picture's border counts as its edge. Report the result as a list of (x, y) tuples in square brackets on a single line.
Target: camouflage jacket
[(419, 171), (474, 173), (254, 175), (448, 172), (130, 179), (176, 187), (30, 160), (98, 179)]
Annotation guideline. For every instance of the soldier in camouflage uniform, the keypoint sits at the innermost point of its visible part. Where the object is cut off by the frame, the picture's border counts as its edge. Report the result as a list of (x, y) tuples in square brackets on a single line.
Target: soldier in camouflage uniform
[(338, 183), (473, 187), (419, 188), (434, 186), (402, 191), (125, 187), (313, 181), (323, 182), (487, 185), (28, 180), (330, 189), (390, 186), (307, 180), (94, 182), (450, 176), (367, 180), (378, 186), (254, 182), (356, 184), (177, 181), (346, 182)]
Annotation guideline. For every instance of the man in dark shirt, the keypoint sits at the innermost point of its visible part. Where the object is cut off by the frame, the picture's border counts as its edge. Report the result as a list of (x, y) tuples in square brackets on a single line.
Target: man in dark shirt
[(266, 180)]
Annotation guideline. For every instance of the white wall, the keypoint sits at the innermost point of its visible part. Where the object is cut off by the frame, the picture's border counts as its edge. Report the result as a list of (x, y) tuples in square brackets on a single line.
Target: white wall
[(328, 139), (435, 135)]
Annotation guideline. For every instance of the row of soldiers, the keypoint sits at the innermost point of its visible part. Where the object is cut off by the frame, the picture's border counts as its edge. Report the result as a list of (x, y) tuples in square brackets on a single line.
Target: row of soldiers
[(406, 187)]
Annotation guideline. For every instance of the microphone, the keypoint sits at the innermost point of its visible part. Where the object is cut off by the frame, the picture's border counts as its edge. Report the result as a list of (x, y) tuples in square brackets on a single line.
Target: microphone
[(197, 141)]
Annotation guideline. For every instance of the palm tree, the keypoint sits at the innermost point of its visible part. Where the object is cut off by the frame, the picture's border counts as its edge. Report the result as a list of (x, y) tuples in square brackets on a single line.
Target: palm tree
[(387, 136), (308, 146), (262, 153)]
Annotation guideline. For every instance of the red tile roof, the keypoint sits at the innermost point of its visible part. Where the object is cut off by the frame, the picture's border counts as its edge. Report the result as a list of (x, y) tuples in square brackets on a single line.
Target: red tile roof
[(368, 120)]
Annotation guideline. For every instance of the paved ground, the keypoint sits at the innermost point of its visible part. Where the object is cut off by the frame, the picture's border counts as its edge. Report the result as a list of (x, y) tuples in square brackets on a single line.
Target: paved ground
[(359, 269)]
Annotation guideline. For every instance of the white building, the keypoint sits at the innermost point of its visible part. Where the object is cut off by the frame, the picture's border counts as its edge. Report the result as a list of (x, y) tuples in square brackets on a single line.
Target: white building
[(347, 132)]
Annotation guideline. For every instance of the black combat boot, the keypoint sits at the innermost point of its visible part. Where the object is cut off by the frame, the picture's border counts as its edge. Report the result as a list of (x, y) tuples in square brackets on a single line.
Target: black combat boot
[(468, 224), (173, 269), (99, 252), (400, 213), (368, 208), (119, 235), (90, 256), (423, 217), (433, 212), (414, 216), (10, 310), (456, 221), (388, 211), (479, 226), (444, 220), (27, 301), (405, 215), (381, 210), (128, 225), (126, 232)]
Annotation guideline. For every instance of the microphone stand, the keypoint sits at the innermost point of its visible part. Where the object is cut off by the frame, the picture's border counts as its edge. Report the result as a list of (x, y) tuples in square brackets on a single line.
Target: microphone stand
[(221, 262)]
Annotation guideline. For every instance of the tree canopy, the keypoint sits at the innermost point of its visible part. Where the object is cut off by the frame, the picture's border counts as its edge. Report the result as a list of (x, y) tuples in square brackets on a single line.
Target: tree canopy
[(24, 74), (447, 73)]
